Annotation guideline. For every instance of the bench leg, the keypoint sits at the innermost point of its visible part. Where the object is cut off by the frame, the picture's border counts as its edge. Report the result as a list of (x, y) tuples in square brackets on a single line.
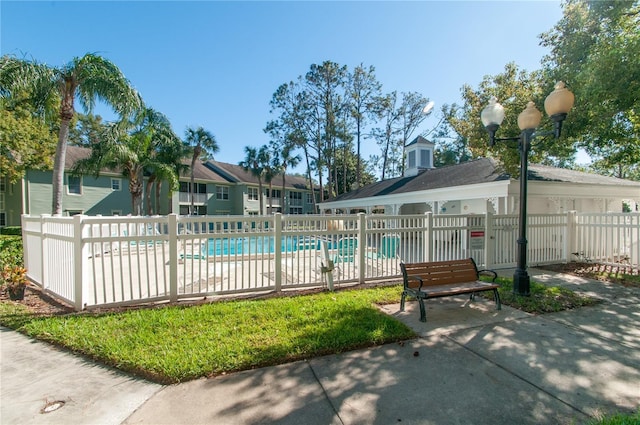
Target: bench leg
[(497, 297), (423, 313), (402, 299)]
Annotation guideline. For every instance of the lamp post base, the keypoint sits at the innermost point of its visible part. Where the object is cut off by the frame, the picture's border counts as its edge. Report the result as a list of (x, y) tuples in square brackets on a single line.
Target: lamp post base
[(521, 283)]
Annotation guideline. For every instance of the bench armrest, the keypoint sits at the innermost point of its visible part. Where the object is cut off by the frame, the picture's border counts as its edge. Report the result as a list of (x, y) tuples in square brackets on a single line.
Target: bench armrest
[(491, 272), (413, 277)]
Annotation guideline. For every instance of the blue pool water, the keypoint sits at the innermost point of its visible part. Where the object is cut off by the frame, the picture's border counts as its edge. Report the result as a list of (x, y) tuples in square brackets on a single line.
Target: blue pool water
[(255, 245)]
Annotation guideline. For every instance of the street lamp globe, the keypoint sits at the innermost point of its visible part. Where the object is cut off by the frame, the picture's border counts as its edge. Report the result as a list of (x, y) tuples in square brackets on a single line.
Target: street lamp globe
[(493, 113), (529, 119), (492, 116), (558, 104), (559, 101)]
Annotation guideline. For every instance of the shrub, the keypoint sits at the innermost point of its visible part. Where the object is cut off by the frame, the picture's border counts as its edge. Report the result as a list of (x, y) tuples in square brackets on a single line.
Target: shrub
[(11, 230), (11, 253), (14, 279)]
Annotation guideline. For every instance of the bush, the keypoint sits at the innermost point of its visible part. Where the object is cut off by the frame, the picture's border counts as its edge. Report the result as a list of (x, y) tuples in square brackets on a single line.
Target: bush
[(11, 230), (11, 253)]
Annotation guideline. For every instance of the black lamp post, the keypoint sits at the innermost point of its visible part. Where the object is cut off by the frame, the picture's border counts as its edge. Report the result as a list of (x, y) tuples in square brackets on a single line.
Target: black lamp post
[(557, 105)]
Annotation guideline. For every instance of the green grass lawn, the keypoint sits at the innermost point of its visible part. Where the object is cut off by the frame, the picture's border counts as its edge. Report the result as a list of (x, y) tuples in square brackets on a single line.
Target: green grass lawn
[(173, 344), (170, 344)]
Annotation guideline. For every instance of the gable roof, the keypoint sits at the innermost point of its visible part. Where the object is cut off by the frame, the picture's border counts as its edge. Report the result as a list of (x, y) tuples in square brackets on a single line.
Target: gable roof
[(236, 174), (75, 154), (203, 173), (483, 170), (210, 171), (419, 140)]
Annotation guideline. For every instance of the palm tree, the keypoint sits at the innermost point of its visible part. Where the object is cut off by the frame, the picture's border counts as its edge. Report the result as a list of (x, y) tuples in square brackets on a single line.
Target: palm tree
[(252, 164), (284, 158), (202, 143), (162, 150), (131, 147), (86, 79), (269, 171), (172, 154)]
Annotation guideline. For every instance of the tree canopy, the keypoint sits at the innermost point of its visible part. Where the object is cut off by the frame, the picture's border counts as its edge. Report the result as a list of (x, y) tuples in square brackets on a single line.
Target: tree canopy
[(84, 79), (595, 47), (26, 141)]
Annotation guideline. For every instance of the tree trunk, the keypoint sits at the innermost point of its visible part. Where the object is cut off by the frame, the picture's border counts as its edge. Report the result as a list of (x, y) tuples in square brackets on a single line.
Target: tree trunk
[(284, 173), (344, 170), (157, 197), (260, 197), (58, 167), (306, 156), (147, 194), (192, 188), (358, 158), (270, 209), (135, 188)]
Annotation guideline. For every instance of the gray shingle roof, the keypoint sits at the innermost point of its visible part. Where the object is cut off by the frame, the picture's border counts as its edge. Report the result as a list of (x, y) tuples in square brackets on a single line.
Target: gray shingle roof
[(483, 170), (237, 174)]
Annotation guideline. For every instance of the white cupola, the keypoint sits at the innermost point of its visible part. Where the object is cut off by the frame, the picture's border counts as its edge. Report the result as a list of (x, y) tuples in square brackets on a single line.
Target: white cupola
[(419, 156)]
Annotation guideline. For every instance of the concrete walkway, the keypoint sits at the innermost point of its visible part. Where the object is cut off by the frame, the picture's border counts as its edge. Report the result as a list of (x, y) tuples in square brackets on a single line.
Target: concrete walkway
[(470, 365)]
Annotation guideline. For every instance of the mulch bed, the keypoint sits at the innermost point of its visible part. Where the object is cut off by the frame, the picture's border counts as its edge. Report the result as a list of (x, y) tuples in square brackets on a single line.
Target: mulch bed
[(38, 302), (621, 274)]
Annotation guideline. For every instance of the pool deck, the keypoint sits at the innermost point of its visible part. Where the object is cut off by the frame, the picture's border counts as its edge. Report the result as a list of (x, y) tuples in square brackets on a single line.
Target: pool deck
[(142, 272)]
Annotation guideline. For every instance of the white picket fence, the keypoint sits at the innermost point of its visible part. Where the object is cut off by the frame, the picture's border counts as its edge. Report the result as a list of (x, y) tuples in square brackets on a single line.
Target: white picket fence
[(107, 261)]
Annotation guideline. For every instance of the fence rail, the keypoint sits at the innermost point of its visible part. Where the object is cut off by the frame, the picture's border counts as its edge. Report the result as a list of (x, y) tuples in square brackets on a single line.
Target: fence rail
[(105, 261)]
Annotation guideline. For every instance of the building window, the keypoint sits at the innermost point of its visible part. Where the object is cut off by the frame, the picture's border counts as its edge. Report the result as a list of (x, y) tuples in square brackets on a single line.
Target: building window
[(295, 210), (185, 187), (116, 185), (425, 158), (3, 219), (197, 210), (222, 193), (74, 185), (3, 184), (295, 199), (309, 198), (253, 193), (412, 159), (275, 193), (116, 212)]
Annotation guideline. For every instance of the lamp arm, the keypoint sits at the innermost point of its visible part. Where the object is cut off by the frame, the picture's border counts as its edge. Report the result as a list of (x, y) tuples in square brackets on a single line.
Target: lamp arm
[(507, 139)]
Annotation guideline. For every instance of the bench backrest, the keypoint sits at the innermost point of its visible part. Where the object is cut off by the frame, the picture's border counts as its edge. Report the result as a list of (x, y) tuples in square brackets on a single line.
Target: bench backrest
[(440, 272)]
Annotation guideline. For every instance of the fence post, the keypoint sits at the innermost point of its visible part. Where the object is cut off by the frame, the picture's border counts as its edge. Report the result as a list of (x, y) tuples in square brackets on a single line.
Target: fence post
[(277, 218), (172, 228), (427, 241), (489, 240), (44, 251), (362, 246), (571, 239), (80, 256)]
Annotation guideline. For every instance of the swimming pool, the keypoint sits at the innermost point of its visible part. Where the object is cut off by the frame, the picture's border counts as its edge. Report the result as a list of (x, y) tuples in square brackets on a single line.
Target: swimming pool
[(255, 245)]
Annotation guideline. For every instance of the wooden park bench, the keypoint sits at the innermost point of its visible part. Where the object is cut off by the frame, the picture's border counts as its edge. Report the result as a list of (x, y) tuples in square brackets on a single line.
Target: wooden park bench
[(443, 279)]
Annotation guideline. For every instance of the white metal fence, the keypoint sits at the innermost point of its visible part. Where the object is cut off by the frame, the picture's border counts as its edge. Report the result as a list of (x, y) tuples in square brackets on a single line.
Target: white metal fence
[(102, 261)]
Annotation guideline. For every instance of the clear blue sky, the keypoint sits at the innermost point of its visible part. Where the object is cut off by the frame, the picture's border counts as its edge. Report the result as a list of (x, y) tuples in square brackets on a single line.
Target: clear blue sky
[(216, 64)]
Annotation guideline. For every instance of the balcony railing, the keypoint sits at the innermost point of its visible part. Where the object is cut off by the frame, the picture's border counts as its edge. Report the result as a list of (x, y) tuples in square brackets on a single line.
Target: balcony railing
[(198, 198)]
